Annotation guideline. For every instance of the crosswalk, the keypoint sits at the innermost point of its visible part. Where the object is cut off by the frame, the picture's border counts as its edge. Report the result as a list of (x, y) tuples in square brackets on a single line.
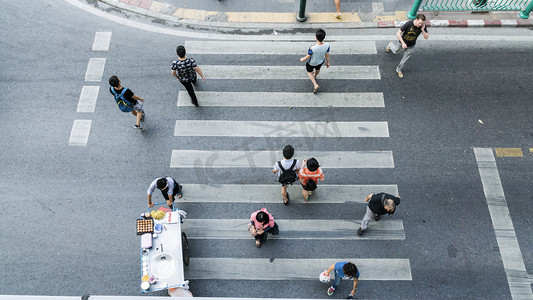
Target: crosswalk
[(319, 230)]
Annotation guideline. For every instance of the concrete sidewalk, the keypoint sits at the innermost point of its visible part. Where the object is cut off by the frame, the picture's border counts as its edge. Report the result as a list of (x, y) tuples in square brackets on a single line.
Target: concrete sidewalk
[(281, 14)]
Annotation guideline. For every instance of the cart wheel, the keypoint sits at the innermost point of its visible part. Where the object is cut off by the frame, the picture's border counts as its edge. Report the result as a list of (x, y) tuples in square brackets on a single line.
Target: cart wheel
[(185, 248)]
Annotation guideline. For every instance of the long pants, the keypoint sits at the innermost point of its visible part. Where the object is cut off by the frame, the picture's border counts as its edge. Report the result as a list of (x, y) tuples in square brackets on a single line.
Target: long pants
[(337, 280), (190, 90), (396, 47), (369, 215)]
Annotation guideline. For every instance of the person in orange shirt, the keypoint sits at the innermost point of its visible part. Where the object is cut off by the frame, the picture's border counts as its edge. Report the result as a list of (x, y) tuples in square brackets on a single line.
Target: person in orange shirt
[(309, 176)]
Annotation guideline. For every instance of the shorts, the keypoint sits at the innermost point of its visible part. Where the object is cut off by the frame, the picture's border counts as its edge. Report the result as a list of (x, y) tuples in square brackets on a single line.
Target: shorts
[(310, 68), (139, 107)]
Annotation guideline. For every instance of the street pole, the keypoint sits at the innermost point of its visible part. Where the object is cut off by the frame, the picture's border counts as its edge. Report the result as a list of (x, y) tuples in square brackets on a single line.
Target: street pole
[(525, 14), (413, 12), (301, 13)]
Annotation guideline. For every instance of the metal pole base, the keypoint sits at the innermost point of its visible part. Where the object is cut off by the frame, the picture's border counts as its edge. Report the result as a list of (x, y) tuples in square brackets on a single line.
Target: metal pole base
[(523, 15), (303, 19)]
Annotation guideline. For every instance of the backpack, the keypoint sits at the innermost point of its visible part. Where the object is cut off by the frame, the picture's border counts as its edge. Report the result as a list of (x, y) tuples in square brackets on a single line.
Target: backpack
[(310, 185), (287, 176), (123, 104)]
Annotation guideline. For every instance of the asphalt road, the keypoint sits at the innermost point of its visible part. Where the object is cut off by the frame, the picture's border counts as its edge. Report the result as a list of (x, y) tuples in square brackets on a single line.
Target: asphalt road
[(68, 212)]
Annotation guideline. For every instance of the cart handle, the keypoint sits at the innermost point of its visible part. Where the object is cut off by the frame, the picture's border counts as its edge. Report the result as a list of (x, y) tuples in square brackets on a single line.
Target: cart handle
[(161, 203)]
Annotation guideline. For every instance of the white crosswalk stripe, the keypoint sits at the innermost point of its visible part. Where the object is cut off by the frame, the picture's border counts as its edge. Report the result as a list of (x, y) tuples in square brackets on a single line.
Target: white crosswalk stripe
[(280, 48), (276, 99), (295, 229), (270, 193), (79, 135), (267, 159), (288, 72), (293, 269), (102, 41), (88, 97), (280, 129), (95, 69)]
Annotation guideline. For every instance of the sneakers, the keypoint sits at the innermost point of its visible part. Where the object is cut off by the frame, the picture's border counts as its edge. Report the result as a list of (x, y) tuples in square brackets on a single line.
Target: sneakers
[(360, 231), (376, 217), (138, 126), (387, 49), (350, 296), (400, 74), (331, 290), (142, 118)]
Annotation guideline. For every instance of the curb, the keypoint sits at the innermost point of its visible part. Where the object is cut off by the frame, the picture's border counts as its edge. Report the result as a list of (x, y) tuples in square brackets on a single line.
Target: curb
[(169, 13)]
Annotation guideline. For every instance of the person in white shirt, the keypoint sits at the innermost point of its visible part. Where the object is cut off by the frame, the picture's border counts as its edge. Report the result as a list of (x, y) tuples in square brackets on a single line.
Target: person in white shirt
[(287, 170), (169, 188)]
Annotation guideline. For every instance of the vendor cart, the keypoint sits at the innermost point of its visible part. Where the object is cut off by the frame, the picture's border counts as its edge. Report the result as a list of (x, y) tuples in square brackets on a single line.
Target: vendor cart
[(164, 250)]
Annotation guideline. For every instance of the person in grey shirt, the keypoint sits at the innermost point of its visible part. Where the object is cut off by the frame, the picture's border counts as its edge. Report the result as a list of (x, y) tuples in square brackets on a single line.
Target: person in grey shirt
[(316, 55)]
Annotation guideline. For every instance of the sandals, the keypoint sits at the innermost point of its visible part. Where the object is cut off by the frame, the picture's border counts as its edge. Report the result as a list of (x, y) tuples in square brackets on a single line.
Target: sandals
[(316, 89)]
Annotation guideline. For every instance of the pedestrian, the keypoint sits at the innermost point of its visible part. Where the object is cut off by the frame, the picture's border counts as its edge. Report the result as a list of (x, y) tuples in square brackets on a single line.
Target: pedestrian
[(126, 100), (407, 35), (309, 175), (185, 69), (378, 204), (287, 170), (338, 7), (316, 55), (261, 224), (342, 270), (169, 188)]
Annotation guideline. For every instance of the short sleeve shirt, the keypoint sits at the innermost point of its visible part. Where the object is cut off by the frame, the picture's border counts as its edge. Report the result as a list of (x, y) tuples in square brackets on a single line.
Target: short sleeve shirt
[(318, 54), (286, 164), (185, 69), (340, 272), (153, 186), (305, 175), (410, 33), (128, 94)]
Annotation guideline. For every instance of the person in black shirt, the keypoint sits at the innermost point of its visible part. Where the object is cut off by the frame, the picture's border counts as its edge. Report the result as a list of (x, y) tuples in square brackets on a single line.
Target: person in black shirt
[(132, 102), (185, 69), (407, 35), (378, 204)]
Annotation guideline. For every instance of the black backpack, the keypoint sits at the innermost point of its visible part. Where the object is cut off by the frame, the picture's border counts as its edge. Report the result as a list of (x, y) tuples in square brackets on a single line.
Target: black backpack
[(287, 176)]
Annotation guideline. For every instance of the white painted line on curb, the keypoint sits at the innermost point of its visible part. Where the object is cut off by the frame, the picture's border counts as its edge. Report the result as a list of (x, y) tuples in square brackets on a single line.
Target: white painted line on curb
[(289, 72), (513, 262), (102, 41), (275, 48), (476, 23), (88, 97), (278, 129), (95, 69), (267, 159), (292, 269), (282, 99), (295, 229), (270, 193), (79, 135)]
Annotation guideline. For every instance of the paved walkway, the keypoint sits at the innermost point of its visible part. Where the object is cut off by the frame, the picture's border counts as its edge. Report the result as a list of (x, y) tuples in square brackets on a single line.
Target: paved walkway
[(281, 14)]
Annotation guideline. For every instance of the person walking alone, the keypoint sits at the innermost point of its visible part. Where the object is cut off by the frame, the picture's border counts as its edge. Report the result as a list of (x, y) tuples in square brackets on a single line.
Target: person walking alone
[(169, 188), (378, 204), (126, 100), (185, 69), (407, 35), (342, 270), (316, 56), (262, 223)]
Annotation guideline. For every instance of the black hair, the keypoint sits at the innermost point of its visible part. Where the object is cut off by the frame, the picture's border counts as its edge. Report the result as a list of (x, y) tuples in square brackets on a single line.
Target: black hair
[(320, 35), (312, 164), (421, 17), (180, 51), (113, 81), (161, 183), (288, 152), (390, 202), (262, 217), (349, 269)]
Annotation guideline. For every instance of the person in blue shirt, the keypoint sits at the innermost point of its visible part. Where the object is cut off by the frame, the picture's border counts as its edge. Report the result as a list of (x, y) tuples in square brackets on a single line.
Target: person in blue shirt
[(343, 270)]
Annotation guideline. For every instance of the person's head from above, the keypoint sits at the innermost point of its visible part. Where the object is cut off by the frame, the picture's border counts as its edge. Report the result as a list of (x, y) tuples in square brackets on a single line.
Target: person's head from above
[(114, 81), (288, 152), (320, 35), (161, 183), (389, 205), (312, 164), (262, 217), (350, 270), (180, 51)]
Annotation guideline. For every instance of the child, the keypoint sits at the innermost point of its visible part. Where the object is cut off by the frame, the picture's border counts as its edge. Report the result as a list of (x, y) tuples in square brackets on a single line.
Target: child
[(287, 170)]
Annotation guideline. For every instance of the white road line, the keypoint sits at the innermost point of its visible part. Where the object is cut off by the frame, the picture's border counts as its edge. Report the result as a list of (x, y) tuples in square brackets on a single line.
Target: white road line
[(95, 69), (292, 269), (102, 41), (79, 135), (295, 229), (281, 37), (270, 193), (279, 48), (288, 72), (88, 97), (513, 261), (280, 129), (267, 159), (276, 99)]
